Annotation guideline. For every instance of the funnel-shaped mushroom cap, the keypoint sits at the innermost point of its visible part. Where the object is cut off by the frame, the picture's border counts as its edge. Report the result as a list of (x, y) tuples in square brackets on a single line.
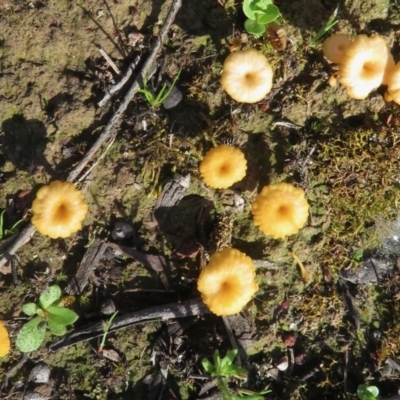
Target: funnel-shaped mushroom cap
[(227, 283), (58, 210), (280, 210), (335, 46), (247, 76), (4, 341), (364, 66), (393, 82), (223, 166)]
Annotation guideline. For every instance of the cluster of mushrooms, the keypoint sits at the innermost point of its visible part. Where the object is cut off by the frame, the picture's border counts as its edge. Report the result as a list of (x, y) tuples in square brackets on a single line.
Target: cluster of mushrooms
[(365, 63), (228, 283)]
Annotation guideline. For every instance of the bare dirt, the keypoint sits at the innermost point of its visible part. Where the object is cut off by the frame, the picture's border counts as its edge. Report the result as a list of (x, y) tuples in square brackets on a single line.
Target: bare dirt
[(337, 333)]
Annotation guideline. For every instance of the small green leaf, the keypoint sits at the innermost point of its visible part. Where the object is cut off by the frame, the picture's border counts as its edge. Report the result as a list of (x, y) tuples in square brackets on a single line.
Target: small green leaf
[(31, 335), (269, 15), (30, 309), (251, 7), (57, 329), (254, 28), (234, 370), (365, 392), (207, 365), (61, 315), (50, 296)]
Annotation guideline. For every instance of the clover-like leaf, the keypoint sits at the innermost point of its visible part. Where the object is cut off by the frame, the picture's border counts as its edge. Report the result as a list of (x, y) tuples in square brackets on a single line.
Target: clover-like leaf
[(61, 315), (50, 296), (254, 28), (253, 7), (31, 335), (30, 309), (269, 15), (365, 392), (57, 329)]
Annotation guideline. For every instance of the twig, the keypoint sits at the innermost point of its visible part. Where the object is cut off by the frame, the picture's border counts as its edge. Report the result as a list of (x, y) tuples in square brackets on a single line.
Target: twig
[(164, 312), (115, 88), (108, 59), (107, 134), (14, 369), (110, 143), (108, 131), (231, 337), (23, 238)]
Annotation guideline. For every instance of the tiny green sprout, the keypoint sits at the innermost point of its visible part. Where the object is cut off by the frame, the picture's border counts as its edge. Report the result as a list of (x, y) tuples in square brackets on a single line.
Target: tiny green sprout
[(49, 314), (260, 13), (106, 328), (332, 21), (365, 392), (153, 100), (6, 232), (223, 368)]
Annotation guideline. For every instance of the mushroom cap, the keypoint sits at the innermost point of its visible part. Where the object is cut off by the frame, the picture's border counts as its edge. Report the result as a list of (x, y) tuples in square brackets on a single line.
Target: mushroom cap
[(393, 82), (247, 76), (5, 344), (280, 210), (334, 47), (223, 166), (227, 283), (58, 210), (364, 66)]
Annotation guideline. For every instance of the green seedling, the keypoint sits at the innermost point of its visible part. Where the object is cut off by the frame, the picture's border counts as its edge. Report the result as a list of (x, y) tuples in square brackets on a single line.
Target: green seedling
[(224, 368), (260, 13), (365, 392), (49, 314), (106, 328), (156, 100), (6, 232), (332, 21)]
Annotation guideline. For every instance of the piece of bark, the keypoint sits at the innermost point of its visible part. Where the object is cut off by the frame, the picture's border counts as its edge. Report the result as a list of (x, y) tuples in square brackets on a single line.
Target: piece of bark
[(89, 261), (174, 190), (373, 269)]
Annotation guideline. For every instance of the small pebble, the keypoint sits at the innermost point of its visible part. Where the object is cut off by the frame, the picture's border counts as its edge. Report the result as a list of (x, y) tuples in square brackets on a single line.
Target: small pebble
[(107, 307), (35, 396), (40, 373), (174, 97), (122, 230)]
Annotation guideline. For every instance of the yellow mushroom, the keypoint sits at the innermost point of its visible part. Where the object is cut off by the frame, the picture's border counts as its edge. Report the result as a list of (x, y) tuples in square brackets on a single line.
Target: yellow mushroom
[(365, 65), (227, 283), (223, 166), (58, 210), (247, 76), (280, 210), (335, 46)]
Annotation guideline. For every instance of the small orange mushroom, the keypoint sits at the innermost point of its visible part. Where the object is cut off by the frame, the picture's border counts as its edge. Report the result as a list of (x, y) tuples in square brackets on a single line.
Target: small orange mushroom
[(334, 47), (58, 210), (5, 344), (223, 166), (247, 76), (280, 210), (365, 65), (227, 283)]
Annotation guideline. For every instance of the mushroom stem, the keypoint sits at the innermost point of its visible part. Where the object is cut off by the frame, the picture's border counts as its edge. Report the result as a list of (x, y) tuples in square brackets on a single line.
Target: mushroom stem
[(304, 274)]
